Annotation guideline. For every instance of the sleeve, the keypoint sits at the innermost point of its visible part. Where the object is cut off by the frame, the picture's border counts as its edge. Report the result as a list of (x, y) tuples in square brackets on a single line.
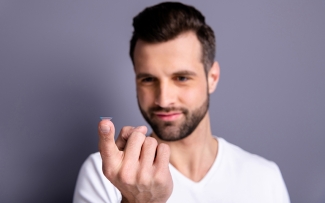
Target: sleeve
[(281, 194), (92, 185)]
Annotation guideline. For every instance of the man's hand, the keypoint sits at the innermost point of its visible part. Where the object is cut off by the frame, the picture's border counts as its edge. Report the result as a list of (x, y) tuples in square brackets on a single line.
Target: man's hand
[(137, 165)]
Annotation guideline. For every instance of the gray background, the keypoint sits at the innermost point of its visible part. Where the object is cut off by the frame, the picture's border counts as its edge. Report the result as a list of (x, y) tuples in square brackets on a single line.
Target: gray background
[(65, 63)]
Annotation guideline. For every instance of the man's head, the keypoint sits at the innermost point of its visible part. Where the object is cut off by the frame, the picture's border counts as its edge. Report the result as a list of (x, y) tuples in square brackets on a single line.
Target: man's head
[(165, 21), (172, 50)]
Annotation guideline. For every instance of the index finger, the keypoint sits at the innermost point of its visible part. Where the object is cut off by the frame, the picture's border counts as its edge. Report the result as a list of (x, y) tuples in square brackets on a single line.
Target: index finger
[(125, 134)]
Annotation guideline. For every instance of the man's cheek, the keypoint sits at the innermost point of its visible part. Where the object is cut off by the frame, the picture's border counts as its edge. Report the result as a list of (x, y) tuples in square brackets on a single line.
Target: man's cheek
[(144, 101), (191, 97)]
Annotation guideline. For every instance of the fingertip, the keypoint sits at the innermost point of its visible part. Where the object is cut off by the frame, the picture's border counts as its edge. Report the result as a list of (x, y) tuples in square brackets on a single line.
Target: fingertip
[(106, 126), (143, 129)]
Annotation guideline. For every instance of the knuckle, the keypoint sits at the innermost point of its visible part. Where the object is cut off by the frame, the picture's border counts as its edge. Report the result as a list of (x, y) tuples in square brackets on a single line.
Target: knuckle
[(151, 141), (164, 149), (143, 178), (106, 153), (125, 176), (159, 180), (137, 136)]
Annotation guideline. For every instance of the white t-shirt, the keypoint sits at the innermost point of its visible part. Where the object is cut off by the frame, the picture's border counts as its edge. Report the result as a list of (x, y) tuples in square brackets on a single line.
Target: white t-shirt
[(236, 176)]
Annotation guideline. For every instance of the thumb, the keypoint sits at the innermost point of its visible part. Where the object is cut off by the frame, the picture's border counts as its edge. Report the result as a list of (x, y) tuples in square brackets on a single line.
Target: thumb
[(107, 146)]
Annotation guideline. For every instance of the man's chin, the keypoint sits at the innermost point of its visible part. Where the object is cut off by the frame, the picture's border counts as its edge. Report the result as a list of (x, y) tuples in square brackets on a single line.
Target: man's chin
[(170, 137), (168, 132)]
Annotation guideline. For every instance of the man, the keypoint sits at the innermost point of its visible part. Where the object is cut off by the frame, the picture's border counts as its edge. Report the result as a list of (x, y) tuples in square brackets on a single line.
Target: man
[(172, 50)]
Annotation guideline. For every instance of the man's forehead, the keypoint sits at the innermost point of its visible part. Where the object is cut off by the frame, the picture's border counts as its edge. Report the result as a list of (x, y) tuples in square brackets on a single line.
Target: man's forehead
[(183, 51)]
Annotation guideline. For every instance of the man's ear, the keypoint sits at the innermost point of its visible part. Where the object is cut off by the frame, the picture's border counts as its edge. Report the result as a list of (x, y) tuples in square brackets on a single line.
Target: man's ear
[(213, 77)]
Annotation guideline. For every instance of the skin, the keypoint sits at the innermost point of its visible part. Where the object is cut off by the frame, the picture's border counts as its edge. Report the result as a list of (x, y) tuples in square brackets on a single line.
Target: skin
[(168, 74)]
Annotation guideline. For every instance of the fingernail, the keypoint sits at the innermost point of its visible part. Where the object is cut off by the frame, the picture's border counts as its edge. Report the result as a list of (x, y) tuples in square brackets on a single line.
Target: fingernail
[(104, 128)]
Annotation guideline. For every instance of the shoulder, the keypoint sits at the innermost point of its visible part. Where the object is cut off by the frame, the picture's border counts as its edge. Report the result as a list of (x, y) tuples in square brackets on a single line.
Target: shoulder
[(252, 172), (236, 156), (92, 185)]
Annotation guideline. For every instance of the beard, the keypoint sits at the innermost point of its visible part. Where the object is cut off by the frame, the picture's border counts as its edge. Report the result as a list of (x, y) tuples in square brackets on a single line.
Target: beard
[(171, 130)]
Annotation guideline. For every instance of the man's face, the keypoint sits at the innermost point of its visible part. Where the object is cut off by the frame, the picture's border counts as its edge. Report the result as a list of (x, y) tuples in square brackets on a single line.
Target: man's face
[(171, 85)]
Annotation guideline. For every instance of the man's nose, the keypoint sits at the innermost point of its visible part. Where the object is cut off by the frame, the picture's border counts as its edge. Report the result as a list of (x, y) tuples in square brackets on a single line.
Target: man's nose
[(166, 94)]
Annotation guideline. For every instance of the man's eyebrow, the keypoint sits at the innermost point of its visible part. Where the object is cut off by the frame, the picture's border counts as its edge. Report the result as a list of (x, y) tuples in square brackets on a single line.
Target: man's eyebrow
[(182, 72), (185, 72), (143, 75)]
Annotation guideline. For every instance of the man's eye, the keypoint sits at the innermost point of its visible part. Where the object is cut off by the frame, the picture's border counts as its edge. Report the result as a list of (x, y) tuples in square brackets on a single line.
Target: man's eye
[(181, 78), (149, 79)]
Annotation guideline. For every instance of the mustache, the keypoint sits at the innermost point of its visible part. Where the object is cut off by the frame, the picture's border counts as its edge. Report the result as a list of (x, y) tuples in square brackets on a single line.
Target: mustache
[(167, 109)]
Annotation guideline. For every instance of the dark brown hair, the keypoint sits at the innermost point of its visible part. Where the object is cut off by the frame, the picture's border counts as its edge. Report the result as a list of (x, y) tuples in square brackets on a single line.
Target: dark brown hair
[(165, 21)]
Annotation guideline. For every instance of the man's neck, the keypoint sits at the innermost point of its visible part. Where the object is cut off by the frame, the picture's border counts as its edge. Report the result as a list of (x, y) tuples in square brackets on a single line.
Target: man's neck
[(194, 155)]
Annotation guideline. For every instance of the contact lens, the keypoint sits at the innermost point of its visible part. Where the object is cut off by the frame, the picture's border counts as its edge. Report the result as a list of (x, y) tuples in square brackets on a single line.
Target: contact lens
[(106, 118)]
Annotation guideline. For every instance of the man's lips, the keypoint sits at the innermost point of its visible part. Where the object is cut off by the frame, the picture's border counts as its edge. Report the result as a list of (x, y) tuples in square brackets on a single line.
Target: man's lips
[(170, 116)]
